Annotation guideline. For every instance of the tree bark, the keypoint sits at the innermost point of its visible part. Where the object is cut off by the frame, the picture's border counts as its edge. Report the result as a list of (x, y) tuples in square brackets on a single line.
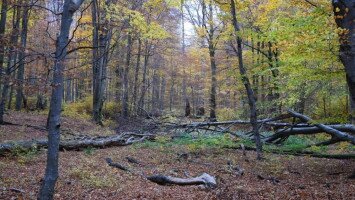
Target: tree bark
[(336, 134), (144, 79), (101, 43), (136, 73), (77, 144), (204, 179), (212, 54), (51, 174), (11, 59), (246, 82), (21, 68), (2, 33), (125, 104), (344, 11), (162, 94)]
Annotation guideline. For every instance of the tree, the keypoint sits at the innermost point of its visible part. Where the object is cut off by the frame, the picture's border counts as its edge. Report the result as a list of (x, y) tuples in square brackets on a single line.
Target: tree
[(11, 60), (2, 32), (204, 18), (344, 11), (246, 82), (21, 69), (51, 175), (101, 44)]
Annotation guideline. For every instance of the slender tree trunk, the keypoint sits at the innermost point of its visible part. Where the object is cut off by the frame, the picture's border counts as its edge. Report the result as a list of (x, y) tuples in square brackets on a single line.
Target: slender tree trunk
[(96, 64), (101, 43), (172, 94), (136, 73), (10, 61), (2, 33), (144, 80), (162, 93), (212, 52), (21, 69), (11, 95), (155, 92), (68, 97), (125, 104), (51, 174), (246, 82)]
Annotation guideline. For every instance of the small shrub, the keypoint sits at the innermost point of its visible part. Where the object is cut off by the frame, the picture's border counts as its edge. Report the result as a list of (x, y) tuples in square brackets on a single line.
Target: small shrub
[(319, 149), (111, 109), (91, 179), (89, 151), (24, 155), (83, 109), (344, 146), (225, 114)]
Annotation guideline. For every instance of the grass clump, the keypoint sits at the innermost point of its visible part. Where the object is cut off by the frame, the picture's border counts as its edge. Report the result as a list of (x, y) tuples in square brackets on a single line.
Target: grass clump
[(191, 142), (23, 155), (83, 109), (91, 179)]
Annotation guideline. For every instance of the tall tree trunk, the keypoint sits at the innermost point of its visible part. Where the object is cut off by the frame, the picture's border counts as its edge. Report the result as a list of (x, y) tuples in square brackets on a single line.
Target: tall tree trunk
[(125, 104), (144, 80), (101, 43), (11, 95), (2, 33), (212, 52), (344, 11), (162, 93), (51, 174), (68, 96), (11, 60), (136, 73), (21, 68), (246, 82), (172, 93), (96, 67), (155, 91)]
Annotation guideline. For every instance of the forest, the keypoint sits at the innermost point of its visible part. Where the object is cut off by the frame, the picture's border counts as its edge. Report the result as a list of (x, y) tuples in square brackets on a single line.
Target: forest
[(177, 99)]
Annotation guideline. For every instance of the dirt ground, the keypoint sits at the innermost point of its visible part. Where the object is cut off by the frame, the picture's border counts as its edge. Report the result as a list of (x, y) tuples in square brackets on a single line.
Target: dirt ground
[(86, 175), (31, 125)]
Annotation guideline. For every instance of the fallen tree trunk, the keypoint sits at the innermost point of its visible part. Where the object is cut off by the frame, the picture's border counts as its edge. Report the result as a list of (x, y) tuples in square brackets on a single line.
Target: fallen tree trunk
[(77, 144), (241, 122), (327, 129), (205, 179), (301, 153), (308, 131), (266, 122), (116, 165), (314, 129)]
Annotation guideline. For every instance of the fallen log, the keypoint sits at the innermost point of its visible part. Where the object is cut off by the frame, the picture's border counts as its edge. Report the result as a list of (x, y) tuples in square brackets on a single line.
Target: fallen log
[(327, 129), (309, 131), (314, 129), (75, 144), (116, 165), (300, 153), (205, 179), (266, 122)]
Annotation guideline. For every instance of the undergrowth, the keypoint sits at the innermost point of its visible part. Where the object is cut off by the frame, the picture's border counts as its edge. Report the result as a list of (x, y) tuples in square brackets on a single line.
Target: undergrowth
[(195, 142), (83, 109), (24, 155)]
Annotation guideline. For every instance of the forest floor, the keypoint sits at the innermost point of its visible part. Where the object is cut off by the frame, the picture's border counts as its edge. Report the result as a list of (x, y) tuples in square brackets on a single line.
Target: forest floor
[(86, 175)]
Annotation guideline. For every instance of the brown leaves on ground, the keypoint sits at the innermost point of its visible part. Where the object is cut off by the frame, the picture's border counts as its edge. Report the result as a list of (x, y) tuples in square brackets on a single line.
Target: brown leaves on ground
[(86, 175), (31, 125)]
